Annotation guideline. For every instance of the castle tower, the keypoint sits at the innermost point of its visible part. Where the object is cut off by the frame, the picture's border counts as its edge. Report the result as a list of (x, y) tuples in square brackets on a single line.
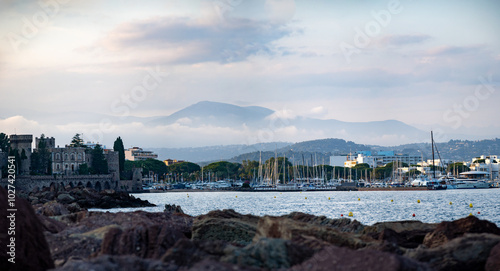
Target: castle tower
[(49, 141), (20, 143), (113, 163)]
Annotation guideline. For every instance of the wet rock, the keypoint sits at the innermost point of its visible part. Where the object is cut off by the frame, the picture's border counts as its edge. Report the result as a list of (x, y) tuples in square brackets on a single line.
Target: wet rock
[(89, 198), (74, 207), (337, 258), (65, 198), (31, 249), (493, 262), (211, 265), (142, 240), (307, 234), (188, 252), (51, 225), (406, 234), (172, 208), (89, 234), (400, 226), (225, 225), (52, 208), (343, 224), (269, 253), (108, 262), (469, 252), (446, 231)]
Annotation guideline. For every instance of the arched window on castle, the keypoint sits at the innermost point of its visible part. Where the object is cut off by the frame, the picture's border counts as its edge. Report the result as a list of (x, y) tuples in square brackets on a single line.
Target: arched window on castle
[(65, 156), (72, 157), (79, 156), (58, 156)]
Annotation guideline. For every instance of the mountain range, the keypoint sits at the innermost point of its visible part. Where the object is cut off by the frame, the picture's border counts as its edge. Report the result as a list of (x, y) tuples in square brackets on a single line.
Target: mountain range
[(259, 120), (232, 129), (319, 151)]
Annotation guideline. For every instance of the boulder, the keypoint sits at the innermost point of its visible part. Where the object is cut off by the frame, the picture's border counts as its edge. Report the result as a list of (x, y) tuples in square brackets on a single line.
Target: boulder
[(334, 258), (342, 224), (31, 249), (89, 234), (211, 265), (51, 225), (469, 252), (405, 239), (493, 262), (74, 208), (446, 231), (65, 198), (310, 235), (172, 208), (52, 208), (113, 262), (142, 240), (400, 226), (188, 252), (225, 225), (269, 253)]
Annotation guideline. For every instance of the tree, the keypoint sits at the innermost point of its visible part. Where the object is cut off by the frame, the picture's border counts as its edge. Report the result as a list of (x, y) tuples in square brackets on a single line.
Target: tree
[(458, 167), (40, 158), (77, 141), (184, 167), (99, 163), (83, 169), (118, 147), (249, 169), (4, 142), (223, 169), (148, 165)]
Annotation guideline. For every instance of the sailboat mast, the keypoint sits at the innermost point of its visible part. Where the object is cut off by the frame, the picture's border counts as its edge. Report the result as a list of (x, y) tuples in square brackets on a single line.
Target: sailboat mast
[(433, 165)]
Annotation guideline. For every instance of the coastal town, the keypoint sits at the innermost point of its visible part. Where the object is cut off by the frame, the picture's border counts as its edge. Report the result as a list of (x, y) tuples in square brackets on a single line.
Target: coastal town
[(45, 164)]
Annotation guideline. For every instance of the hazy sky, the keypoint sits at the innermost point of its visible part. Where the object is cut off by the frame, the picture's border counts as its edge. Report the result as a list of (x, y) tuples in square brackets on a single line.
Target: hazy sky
[(426, 63)]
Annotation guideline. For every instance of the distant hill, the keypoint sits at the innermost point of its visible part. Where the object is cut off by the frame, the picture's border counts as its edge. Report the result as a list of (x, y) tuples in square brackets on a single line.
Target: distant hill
[(214, 153), (216, 114), (257, 120), (321, 150)]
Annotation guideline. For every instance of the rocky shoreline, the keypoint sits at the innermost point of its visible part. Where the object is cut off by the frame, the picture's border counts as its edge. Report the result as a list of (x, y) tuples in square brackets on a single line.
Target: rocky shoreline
[(54, 235)]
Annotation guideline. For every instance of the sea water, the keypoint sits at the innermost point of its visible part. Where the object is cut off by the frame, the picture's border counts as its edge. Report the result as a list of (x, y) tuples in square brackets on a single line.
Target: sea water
[(368, 207)]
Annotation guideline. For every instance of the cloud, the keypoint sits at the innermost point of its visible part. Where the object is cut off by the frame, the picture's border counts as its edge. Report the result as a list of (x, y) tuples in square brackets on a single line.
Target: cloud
[(453, 50), (400, 40), (184, 40)]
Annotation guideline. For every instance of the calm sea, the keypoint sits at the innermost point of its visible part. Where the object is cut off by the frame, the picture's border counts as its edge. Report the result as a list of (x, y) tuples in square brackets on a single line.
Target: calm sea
[(368, 207)]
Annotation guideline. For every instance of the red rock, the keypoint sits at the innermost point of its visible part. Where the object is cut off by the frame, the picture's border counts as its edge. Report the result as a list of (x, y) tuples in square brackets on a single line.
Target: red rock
[(446, 231), (334, 258), (225, 225), (303, 233), (142, 240), (493, 262), (31, 249), (211, 265), (466, 253)]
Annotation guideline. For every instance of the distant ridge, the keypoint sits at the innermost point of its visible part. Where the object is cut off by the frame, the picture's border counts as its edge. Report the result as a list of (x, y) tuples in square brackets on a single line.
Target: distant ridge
[(320, 150), (256, 118), (217, 114)]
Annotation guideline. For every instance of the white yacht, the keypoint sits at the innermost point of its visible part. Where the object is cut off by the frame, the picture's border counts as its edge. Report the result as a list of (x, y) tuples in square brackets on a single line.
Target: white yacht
[(471, 180)]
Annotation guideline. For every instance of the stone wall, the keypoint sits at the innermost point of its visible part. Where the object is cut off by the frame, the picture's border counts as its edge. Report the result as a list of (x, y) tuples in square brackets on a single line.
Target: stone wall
[(97, 182)]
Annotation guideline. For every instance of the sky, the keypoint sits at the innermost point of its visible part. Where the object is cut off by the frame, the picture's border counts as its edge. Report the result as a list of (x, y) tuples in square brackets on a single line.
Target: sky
[(67, 65)]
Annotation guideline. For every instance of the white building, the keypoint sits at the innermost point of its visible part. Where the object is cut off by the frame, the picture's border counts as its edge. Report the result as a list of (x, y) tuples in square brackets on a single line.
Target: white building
[(138, 154), (382, 158), (488, 164)]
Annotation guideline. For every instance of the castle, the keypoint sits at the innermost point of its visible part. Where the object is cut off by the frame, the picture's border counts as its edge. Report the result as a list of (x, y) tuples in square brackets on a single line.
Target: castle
[(65, 163)]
